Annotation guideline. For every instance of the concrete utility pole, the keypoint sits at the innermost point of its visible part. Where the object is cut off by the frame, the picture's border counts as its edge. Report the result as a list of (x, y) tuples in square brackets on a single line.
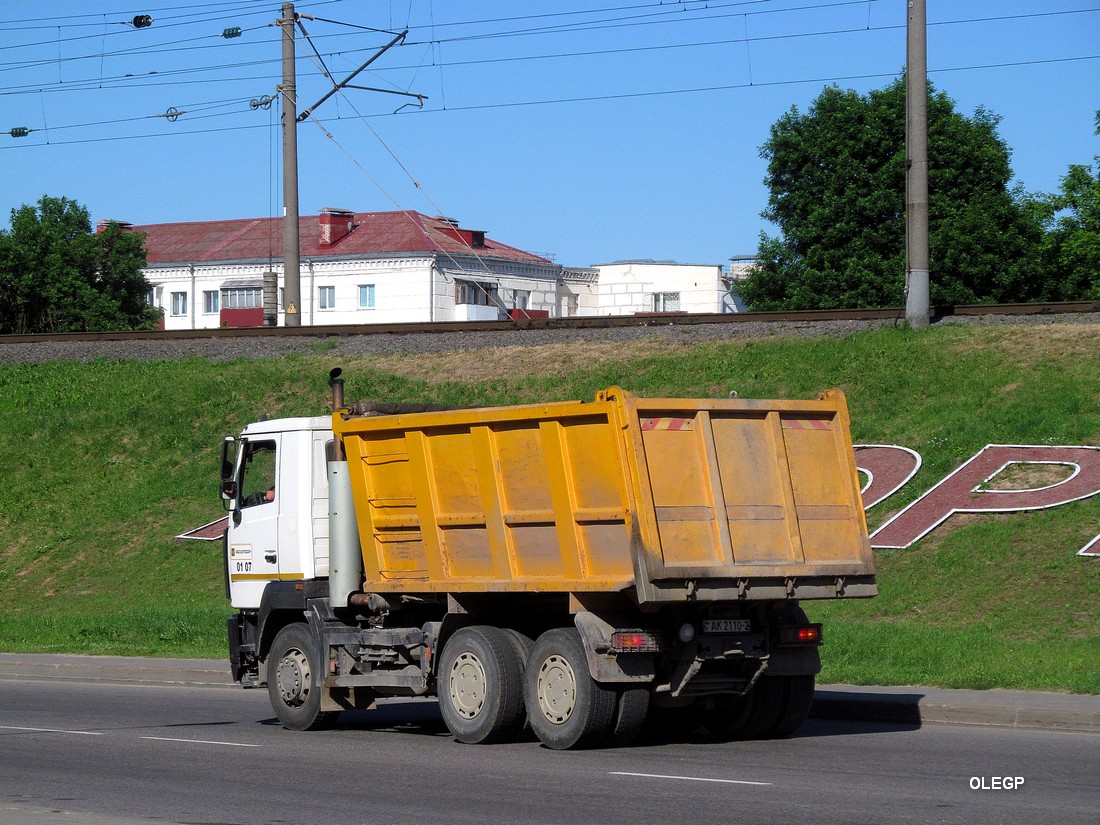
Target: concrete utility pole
[(292, 264), (916, 174), (292, 257)]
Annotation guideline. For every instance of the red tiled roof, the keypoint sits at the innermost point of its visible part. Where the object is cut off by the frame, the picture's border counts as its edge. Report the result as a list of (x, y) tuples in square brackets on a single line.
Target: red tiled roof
[(373, 233)]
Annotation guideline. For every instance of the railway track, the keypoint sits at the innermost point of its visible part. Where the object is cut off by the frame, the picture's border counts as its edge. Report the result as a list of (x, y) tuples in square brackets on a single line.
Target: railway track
[(585, 322)]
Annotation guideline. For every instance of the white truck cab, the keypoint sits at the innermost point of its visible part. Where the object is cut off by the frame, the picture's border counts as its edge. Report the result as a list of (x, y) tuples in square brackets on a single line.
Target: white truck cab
[(278, 497)]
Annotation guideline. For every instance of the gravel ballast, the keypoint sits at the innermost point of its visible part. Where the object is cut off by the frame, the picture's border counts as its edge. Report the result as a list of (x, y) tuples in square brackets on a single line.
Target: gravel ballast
[(258, 347)]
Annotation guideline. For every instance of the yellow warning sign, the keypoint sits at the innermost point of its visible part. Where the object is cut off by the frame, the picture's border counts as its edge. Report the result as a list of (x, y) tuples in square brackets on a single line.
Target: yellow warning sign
[(292, 310)]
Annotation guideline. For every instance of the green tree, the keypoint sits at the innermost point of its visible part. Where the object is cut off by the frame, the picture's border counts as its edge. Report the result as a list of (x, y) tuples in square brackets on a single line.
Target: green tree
[(58, 276), (836, 175), (1071, 247)]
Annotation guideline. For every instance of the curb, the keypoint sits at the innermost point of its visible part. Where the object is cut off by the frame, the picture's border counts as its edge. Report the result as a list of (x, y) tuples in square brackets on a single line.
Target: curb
[(116, 669), (909, 706), (917, 706)]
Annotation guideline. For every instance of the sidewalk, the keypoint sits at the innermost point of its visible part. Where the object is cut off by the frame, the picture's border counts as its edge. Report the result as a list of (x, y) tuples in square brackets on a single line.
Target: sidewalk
[(906, 705)]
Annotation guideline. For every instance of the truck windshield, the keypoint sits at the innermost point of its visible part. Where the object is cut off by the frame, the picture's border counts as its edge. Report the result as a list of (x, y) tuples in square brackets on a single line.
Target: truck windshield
[(258, 473)]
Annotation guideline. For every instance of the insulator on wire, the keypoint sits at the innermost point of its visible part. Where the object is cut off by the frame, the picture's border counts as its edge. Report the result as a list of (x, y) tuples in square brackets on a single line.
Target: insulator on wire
[(233, 31), (19, 131), (142, 21)]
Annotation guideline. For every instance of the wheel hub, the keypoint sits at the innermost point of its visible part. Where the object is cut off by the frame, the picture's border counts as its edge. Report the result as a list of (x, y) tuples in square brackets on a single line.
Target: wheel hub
[(293, 677), (467, 685), (557, 689)]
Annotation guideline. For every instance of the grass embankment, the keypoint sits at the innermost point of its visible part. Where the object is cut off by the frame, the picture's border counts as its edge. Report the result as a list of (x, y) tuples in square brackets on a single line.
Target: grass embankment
[(105, 462)]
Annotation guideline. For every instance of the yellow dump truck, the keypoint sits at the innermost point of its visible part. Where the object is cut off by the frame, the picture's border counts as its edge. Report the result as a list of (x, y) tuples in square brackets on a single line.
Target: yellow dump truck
[(575, 566)]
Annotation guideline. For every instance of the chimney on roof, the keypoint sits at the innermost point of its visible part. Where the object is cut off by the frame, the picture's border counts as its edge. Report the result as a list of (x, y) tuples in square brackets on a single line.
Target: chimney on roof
[(335, 224), (104, 225), (473, 238)]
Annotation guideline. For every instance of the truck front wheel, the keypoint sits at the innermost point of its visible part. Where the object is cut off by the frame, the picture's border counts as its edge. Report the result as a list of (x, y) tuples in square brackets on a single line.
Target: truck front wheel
[(481, 685), (293, 680), (567, 708)]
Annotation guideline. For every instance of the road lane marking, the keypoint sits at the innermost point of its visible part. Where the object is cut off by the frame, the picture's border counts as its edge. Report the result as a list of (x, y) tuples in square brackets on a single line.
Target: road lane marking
[(52, 730), (200, 742), (687, 778)]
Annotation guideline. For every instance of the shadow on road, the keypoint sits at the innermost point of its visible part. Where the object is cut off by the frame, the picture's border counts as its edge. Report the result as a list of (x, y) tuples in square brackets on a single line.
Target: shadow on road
[(838, 716)]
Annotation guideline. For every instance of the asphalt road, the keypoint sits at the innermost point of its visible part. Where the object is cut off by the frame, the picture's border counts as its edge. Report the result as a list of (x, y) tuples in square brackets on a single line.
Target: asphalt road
[(109, 754)]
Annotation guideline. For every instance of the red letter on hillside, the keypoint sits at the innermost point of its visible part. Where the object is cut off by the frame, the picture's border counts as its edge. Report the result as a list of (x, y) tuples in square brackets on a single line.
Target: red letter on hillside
[(968, 490), (887, 467)]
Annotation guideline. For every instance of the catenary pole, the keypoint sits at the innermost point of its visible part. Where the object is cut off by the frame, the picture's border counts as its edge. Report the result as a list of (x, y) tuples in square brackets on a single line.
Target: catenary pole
[(292, 265), (916, 175)]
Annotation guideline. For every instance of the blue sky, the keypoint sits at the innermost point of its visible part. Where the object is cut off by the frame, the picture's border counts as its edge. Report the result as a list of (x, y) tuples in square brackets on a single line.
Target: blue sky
[(585, 131)]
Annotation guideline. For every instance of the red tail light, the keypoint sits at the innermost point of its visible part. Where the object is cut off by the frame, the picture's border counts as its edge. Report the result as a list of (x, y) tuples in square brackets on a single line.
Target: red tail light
[(635, 641), (808, 635)]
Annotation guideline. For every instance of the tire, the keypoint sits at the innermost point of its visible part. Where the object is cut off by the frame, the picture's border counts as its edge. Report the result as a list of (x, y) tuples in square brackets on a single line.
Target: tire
[(631, 712), (800, 698), (566, 707), (294, 680), (674, 724), (522, 644), (775, 708), (728, 719), (480, 686), (768, 698)]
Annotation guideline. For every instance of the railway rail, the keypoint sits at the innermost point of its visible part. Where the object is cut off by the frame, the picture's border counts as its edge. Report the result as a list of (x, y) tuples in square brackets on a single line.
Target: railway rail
[(576, 322)]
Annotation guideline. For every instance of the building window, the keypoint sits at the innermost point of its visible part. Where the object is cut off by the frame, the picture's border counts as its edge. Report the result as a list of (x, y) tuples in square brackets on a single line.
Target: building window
[(210, 301), (151, 296), (366, 296), (520, 298), (327, 297), (179, 303), (666, 301), (472, 292), (247, 297)]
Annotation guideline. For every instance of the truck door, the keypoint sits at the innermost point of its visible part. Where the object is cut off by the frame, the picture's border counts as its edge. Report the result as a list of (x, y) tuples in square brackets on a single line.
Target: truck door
[(254, 526)]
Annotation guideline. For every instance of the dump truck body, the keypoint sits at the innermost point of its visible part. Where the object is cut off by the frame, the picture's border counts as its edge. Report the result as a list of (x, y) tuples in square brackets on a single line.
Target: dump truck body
[(597, 560), (670, 498)]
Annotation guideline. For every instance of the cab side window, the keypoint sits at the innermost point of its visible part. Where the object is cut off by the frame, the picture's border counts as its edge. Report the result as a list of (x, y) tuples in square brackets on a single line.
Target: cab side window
[(258, 473)]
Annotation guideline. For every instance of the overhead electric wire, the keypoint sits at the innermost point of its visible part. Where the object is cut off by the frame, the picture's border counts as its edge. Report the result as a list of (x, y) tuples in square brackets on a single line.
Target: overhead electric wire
[(130, 80), (100, 35), (236, 7), (618, 22), (160, 48), (733, 86), (137, 50), (558, 101)]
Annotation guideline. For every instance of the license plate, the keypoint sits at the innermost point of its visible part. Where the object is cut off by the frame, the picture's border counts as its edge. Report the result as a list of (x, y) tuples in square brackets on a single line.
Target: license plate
[(727, 626)]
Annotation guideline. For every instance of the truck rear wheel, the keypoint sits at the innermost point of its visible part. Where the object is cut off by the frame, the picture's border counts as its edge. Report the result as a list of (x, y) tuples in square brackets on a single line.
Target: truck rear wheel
[(293, 680), (775, 708), (729, 717), (567, 708), (481, 686), (631, 712), (799, 700)]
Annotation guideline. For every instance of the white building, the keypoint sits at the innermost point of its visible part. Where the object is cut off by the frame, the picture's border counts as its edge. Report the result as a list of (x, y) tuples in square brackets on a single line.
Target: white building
[(356, 268), (632, 287), (398, 267)]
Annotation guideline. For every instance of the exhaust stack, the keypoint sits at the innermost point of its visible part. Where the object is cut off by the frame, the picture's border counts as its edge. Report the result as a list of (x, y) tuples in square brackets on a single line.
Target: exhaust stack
[(345, 554)]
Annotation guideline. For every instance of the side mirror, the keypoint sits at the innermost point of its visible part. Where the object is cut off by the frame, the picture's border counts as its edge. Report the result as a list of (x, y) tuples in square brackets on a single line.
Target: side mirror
[(229, 457), (228, 482)]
